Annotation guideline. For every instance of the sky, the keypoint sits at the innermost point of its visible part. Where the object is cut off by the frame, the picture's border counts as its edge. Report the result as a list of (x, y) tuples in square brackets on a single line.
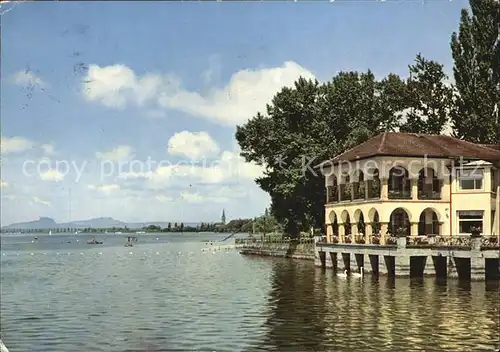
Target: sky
[(129, 109)]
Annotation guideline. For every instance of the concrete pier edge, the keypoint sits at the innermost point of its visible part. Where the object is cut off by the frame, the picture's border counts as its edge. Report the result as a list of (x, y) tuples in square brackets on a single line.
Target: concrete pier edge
[(401, 260)]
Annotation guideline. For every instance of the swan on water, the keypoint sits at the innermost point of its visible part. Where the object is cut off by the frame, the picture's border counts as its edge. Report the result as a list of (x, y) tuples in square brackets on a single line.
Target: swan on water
[(3, 348), (360, 274), (344, 274)]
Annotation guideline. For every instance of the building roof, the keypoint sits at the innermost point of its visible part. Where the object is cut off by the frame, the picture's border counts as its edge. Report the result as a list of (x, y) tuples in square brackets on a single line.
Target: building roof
[(418, 145), (491, 146)]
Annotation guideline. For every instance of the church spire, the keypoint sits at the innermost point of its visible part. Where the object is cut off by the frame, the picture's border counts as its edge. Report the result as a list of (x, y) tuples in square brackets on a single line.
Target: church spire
[(223, 217)]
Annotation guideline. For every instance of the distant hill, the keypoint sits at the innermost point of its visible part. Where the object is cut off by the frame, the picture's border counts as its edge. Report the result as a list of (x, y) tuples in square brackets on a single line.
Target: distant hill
[(96, 223), (162, 224), (48, 223), (42, 223)]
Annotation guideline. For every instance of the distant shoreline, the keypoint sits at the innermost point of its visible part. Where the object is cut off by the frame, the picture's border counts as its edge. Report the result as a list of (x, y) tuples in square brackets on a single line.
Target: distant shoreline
[(110, 225)]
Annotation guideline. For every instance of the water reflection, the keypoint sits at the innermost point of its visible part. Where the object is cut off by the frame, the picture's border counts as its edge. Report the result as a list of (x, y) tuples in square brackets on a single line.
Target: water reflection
[(166, 295), (311, 309), (296, 308)]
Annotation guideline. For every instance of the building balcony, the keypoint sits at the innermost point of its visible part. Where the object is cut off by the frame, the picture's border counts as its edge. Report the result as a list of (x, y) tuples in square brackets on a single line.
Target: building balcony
[(359, 194), (431, 241), (373, 193), (429, 194), (345, 196), (399, 194)]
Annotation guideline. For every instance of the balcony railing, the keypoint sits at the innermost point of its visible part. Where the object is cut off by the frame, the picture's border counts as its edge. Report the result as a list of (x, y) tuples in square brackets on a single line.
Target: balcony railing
[(258, 242), (438, 241), (456, 242), (359, 194), (345, 196), (331, 194), (373, 193), (463, 241), (429, 195), (399, 194), (489, 242)]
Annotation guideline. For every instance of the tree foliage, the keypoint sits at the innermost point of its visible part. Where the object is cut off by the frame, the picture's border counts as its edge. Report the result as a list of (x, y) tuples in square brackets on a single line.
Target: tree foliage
[(476, 53), (427, 96), (266, 223)]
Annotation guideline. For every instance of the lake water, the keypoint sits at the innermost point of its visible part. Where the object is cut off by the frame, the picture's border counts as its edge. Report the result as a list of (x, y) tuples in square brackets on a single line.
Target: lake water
[(166, 294)]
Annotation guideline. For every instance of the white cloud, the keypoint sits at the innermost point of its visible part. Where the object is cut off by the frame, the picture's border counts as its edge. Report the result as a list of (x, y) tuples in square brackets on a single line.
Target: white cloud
[(164, 198), (40, 201), (243, 168), (15, 145), (4, 184), (28, 78), (219, 195), (120, 153), (230, 192), (247, 92), (48, 148), (52, 175), (193, 145), (229, 167), (131, 175), (115, 86), (106, 189), (192, 197)]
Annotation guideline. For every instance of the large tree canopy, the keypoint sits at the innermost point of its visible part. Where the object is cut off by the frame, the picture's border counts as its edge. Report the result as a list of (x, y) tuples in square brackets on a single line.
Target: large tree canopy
[(476, 54)]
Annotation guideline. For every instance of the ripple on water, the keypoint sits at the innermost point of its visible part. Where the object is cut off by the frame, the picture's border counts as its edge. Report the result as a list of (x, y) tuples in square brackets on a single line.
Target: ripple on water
[(121, 300)]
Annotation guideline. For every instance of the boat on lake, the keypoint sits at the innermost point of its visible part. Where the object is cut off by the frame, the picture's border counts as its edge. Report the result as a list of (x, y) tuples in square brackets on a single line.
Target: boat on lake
[(94, 241), (130, 241)]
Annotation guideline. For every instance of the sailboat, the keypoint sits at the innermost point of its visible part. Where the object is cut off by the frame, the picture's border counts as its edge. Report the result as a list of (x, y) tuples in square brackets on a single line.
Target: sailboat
[(50, 232)]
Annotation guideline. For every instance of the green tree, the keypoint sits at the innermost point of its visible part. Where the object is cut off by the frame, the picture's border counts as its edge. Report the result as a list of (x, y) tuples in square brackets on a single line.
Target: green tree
[(427, 98), (476, 54), (169, 227), (266, 223)]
